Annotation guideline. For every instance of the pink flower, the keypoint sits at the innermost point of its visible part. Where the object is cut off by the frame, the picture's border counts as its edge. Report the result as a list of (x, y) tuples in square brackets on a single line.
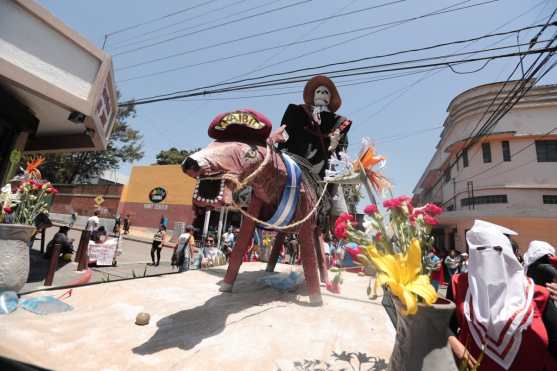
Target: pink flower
[(378, 236), (433, 209), (392, 203), (340, 230), (430, 220), (51, 190), (370, 209)]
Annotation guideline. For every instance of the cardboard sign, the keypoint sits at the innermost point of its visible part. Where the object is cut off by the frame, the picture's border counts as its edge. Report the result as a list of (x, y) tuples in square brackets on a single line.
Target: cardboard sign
[(103, 253)]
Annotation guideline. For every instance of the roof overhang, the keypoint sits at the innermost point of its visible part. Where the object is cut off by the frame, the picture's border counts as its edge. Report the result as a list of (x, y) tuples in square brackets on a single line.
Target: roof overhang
[(56, 73)]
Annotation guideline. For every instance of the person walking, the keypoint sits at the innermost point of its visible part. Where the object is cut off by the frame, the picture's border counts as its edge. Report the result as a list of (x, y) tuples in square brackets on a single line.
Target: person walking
[(183, 251), (73, 219), (127, 224), (158, 241), (117, 224), (463, 263), (433, 266), (452, 262), (93, 222)]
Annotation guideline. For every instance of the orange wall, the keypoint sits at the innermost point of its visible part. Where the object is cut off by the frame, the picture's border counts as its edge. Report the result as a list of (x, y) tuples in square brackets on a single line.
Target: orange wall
[(179, 187)]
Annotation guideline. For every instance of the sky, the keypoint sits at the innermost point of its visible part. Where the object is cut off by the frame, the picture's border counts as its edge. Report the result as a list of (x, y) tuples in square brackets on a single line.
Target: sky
[(403, 116)]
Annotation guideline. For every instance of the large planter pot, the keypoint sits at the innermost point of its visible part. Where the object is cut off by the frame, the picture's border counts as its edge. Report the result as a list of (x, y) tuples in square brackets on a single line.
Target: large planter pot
[(422, 339), (14, 255)]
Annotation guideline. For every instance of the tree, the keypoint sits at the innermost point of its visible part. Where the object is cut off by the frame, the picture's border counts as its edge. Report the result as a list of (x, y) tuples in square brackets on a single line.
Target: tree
[(174, 155), (124, 145)]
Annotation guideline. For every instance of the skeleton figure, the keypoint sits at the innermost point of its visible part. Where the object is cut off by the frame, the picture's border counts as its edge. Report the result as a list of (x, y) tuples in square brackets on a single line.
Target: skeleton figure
[(315, 132)]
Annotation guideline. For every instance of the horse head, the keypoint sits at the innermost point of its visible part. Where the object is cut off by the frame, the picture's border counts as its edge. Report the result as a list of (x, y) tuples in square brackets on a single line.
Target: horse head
[(220, 168)]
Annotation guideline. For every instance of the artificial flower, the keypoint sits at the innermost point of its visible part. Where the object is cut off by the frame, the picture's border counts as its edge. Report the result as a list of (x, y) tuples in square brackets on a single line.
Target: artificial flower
[(33, 166), (430, 220), (341, 230), (370, 209), (392, 203), (433, 209), (401, 272)]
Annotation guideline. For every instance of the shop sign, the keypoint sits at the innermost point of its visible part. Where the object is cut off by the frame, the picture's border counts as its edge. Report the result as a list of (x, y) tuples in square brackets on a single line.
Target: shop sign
[(157, 195)]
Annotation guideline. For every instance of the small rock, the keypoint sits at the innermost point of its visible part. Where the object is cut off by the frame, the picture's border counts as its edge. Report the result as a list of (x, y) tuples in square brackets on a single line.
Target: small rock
[(142, 319)]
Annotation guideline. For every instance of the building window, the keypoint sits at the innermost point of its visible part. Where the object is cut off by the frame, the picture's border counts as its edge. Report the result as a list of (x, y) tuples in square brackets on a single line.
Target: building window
[(481, 200), (486, 152), (465, 157), (550, 199), (448, 175), (546, 150), (506, 150)]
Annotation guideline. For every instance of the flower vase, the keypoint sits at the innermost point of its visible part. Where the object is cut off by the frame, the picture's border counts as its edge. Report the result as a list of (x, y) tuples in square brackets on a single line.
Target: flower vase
[(422, 339), (14, 255)]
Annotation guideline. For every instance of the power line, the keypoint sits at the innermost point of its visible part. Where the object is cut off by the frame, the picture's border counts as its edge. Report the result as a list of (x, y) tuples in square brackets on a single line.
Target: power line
[(331, 72), (255, 35), (158, 18), (256, 15), (252, 52), (124, 42), (337, 73), (501, 111), (407, 88)]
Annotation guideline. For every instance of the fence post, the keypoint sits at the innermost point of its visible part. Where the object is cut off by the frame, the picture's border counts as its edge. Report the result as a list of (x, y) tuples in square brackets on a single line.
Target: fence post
[(83, 241), (43, 237), (84, 257), (53, 264)]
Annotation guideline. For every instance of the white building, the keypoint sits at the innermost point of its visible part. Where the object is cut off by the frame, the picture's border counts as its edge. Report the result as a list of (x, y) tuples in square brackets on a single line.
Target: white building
[(508, 177), (57, 91)]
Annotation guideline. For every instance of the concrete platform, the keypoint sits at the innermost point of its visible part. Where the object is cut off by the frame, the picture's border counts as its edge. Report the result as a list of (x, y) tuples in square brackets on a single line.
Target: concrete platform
[(195, 327)]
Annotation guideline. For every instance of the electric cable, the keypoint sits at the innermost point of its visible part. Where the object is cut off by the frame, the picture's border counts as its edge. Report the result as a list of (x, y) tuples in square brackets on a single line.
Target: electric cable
[(142, 47)]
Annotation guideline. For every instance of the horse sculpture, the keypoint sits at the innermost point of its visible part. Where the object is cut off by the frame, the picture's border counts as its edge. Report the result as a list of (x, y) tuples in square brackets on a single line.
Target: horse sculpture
[(226, 167)]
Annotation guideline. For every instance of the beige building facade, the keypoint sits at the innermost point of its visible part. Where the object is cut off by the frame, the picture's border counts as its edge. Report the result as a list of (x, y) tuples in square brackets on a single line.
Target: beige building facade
[(508, 176), (57, 91)]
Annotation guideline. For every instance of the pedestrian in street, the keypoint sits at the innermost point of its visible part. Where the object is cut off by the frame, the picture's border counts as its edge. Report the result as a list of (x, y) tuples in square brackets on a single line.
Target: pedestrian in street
[(228, 242), (294, 250), (433, 266), (463, 263), (73, 219), (452, 263), (117, 224), (183, 251), (93, 222), (127, 224), (158, 242)]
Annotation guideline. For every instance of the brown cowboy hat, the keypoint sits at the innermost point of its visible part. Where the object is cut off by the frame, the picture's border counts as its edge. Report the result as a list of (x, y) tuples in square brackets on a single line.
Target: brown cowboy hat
[(316, 82)]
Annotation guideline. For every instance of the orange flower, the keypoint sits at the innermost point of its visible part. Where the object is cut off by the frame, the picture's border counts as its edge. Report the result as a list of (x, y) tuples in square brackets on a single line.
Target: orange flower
[(33, 166), (367, 161)]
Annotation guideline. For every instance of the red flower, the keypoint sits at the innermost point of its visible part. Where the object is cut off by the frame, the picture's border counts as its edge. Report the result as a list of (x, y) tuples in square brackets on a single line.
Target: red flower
[(430, 220), (370, 209), (378, 236), (340, 230), (433, 209), (8, 210), (354, 252), (51, 190), (345, 217), (392, 203)]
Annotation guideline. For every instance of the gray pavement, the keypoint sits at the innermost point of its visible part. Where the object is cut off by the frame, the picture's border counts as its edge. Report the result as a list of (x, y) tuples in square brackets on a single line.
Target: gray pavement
[(134, 261)]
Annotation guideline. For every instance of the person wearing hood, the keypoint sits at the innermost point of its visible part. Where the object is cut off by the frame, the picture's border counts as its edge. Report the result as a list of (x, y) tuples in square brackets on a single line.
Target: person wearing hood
[(499, 310), (540, 262)]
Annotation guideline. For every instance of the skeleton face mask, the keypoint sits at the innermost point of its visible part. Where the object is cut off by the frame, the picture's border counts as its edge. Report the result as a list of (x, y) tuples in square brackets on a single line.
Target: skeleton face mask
[(321, 96)]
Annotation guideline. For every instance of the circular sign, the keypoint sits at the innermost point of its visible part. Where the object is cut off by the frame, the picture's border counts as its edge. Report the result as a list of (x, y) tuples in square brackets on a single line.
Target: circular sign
[(157, 194)]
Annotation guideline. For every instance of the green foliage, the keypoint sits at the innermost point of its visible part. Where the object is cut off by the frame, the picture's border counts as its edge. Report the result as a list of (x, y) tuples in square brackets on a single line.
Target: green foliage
[(174, 156), (124, 145)]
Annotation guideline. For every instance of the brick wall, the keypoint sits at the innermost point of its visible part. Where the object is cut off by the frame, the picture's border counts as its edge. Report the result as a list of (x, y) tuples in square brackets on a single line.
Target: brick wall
[(80, 198)]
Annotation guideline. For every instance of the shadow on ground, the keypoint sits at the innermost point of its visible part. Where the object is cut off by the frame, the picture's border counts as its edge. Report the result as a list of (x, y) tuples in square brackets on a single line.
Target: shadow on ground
[(38, 266), (343, 361), (187, 328)]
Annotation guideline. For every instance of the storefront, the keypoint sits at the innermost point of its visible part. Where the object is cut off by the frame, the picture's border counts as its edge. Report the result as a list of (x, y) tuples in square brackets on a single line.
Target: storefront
[(57, 90)]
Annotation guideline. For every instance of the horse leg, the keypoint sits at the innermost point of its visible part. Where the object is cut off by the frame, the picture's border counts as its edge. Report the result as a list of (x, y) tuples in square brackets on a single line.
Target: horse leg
[(320, 251), (275, 252), (244, 238), (309, 262)]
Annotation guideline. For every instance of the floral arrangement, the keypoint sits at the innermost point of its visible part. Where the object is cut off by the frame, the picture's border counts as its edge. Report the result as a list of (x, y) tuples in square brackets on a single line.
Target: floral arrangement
[(26, 196), (396, 246)]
